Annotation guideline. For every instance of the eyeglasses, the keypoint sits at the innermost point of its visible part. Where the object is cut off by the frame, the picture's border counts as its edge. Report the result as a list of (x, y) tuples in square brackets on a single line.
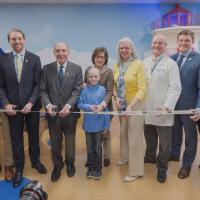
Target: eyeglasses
[(100, 57), (124, 48)]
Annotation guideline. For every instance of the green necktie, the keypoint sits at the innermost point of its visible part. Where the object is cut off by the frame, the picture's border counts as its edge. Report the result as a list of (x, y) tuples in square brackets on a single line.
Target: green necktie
[(19, 67)]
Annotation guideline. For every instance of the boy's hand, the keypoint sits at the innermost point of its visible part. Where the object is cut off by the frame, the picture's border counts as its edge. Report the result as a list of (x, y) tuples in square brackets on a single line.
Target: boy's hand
[(94, 108), (100, 108)]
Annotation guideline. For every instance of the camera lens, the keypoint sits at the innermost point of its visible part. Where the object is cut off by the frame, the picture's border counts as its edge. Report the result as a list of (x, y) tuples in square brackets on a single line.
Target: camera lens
[(33, 191)]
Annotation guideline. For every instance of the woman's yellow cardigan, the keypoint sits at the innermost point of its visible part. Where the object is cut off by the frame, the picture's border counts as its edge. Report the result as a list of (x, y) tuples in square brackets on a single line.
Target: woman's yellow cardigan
[(135, 80)]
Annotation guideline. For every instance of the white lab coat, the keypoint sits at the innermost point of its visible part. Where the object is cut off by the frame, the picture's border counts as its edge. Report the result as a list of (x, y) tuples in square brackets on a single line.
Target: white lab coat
[(163, 89)]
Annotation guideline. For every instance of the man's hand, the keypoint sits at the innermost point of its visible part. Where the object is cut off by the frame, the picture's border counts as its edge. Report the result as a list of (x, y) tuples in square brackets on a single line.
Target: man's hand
[(50, 109), (10, 109), (164, 109), (195, 117), (27, 108), (64, 112)]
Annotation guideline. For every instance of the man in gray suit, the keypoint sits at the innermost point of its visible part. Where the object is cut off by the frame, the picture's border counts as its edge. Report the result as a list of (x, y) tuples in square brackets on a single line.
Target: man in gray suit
[(189, 66), (61, 84)]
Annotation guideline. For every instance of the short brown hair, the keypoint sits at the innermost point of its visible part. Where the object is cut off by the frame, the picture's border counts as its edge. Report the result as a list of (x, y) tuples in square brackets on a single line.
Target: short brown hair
[(100, 50), (15, 30), (186, 32)]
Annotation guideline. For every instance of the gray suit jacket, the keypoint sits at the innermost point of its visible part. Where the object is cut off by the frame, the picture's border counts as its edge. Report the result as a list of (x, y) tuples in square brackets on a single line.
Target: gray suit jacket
[(50, 91), (190, 81)]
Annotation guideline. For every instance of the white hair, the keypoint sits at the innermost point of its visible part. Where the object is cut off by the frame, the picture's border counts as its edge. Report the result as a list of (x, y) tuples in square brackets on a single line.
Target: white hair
[(61, 43), (133, 53), (160, 36)]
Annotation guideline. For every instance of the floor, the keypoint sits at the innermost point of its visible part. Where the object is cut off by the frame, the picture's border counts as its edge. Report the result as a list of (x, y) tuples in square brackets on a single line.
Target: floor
[(111, 186)]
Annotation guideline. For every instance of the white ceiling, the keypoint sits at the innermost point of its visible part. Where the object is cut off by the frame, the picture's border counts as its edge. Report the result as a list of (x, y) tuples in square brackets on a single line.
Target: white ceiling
[(95, 1)]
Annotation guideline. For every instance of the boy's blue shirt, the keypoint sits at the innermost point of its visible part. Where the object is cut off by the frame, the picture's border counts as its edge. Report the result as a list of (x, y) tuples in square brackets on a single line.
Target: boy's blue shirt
[(93, 95)]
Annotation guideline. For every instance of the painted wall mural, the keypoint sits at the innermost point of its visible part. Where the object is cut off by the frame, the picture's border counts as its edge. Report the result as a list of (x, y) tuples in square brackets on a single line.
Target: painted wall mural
[(83, 27)]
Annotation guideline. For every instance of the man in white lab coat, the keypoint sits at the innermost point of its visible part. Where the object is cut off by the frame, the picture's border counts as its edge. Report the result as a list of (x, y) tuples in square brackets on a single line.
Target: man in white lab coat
[(163, 91)]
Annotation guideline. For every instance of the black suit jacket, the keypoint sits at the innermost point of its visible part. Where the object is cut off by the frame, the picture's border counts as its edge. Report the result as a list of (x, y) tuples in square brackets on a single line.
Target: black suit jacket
[(27, 90)]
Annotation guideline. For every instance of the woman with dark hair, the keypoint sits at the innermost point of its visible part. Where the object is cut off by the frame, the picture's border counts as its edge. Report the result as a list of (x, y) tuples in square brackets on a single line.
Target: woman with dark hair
[(100, 61)]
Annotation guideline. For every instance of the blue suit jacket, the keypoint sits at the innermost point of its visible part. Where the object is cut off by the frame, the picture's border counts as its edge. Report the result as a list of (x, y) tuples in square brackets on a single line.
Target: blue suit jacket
[(190, 80), (13, 92)]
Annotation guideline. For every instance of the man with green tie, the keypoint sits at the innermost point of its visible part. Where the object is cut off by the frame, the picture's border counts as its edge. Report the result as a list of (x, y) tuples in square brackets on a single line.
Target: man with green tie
[(20, 73)]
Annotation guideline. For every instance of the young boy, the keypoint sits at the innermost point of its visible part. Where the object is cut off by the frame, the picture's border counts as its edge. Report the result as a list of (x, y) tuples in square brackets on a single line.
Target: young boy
[(94, 124)]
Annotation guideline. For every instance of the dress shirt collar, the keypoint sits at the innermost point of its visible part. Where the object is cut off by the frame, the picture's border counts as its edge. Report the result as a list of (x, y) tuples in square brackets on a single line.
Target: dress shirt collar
[(64, 66), (22, 53), (185, 54), (157, 58)]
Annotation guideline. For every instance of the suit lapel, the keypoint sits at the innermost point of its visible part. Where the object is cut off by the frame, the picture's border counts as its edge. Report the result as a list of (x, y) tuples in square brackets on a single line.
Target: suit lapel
[(174, 57), (11, 63), (67, 72), (25, 65), (54, 73)]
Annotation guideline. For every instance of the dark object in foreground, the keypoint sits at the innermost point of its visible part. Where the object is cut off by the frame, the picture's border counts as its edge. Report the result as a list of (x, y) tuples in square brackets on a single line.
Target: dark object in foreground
[(33, 191)]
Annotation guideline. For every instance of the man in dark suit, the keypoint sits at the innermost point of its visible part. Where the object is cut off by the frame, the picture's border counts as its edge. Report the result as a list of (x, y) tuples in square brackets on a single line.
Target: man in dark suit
[(20, 73), (189, 65), (60, 88)]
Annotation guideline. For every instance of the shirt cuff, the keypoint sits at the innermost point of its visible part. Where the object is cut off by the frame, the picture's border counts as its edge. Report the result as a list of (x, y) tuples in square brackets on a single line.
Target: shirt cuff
[(48, 106), (69, 106)]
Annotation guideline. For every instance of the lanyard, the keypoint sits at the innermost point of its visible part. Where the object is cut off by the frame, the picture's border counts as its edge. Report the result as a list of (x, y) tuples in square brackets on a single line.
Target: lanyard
[(155, 64)]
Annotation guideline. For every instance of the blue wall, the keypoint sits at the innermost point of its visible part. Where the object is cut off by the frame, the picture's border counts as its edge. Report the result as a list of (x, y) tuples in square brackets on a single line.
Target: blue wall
[(84, 27)]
